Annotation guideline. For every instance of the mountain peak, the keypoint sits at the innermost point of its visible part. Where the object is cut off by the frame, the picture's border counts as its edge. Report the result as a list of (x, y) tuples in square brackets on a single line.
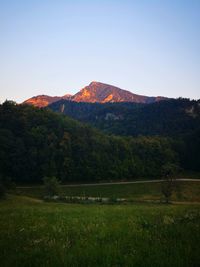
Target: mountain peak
[(102, 93), (96, 92), (94, 83)]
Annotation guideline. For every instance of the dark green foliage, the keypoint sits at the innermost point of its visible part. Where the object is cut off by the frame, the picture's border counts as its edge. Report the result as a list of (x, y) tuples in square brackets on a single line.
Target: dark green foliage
[(191, 150), (2, 191), (178, 119), (51, 186), (166, 118), (35, 143), (5, 185), (168, 185)]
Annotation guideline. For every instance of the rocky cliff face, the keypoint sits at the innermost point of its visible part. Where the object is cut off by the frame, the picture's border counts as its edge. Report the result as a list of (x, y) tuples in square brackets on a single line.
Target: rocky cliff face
[(102, 93), (95, 92)]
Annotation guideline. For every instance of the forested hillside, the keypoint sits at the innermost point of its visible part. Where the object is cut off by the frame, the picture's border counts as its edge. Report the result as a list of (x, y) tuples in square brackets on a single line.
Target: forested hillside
[(177, 119), (35, 143), (167, 118)]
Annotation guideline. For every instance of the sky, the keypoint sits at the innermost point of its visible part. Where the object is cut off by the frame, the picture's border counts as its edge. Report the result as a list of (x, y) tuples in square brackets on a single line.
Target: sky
[(149, 47)]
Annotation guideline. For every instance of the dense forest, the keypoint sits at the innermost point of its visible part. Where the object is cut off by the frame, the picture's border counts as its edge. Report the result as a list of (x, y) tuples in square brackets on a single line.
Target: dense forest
[(35, 143), (176, 119), (165, 118)]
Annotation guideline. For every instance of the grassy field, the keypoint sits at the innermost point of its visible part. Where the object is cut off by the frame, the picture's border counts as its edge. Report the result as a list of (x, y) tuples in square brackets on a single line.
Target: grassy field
[(38, 233), (185, 191), (35, 233)]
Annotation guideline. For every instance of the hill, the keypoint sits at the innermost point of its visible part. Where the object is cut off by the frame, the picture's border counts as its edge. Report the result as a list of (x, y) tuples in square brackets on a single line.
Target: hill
[(44, 100), (177, 119), (166, 118), (95, 92), (35, 143)]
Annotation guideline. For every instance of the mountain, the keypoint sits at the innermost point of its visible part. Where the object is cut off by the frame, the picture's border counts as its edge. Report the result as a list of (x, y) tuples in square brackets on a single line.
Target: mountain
[(44, 100), (96, 92), (103, 93)]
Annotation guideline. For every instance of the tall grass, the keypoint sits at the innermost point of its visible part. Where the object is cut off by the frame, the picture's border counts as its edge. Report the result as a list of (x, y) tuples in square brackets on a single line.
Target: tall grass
[(33, 233)]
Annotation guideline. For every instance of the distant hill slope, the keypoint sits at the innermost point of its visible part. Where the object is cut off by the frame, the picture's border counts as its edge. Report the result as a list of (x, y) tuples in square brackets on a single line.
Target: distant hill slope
[(166, 118), (96, 92), (44, 100)]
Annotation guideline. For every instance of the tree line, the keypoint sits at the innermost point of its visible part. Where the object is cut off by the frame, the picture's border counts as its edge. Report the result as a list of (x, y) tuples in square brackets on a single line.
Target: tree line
[(175, 119), (37, 143)]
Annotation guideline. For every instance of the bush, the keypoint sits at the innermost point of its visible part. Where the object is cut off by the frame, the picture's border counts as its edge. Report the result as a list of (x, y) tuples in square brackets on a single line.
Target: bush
[(51, 186), (168, 185)]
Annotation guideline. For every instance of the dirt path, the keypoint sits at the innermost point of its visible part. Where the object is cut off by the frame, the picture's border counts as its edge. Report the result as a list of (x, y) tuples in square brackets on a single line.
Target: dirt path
[(116, 183)]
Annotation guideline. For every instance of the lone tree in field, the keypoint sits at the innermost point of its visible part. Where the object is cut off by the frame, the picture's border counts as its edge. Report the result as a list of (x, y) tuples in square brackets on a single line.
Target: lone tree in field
[(169, 180), (51, 186)]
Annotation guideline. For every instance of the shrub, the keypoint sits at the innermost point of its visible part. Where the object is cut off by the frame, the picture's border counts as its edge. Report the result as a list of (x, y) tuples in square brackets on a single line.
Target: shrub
[(51, 186)]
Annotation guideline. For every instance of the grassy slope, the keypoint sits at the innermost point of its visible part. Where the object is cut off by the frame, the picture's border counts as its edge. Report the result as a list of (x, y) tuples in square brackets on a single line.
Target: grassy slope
[(186, 191), (33, 233)]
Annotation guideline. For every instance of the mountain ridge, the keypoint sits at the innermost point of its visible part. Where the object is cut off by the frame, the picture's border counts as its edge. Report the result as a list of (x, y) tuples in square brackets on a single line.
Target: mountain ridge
[(45, 100), (95, 92)]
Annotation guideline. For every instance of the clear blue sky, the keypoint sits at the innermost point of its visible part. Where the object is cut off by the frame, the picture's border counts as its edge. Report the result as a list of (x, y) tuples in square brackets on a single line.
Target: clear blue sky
[(149, 47)]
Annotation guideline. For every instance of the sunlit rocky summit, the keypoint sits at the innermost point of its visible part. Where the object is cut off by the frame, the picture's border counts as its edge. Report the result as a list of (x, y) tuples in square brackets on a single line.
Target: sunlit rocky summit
[(95, 92)]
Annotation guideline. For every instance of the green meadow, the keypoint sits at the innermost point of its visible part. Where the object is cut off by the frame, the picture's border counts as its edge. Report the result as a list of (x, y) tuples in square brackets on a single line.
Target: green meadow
[(37, 233), (184, 191)]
